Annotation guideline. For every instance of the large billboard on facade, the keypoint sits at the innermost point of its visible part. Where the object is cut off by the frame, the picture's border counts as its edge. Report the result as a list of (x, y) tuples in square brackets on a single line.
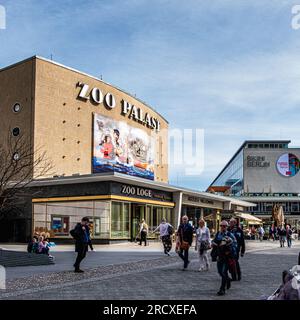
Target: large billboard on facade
[(122, 148)]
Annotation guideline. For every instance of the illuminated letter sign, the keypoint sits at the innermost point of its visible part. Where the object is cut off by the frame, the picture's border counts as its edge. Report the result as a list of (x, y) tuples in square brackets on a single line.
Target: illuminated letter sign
[(133, 112)]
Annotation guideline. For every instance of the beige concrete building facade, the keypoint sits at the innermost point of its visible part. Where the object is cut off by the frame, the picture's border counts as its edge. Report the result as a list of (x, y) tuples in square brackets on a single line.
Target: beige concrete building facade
[(57, 109)]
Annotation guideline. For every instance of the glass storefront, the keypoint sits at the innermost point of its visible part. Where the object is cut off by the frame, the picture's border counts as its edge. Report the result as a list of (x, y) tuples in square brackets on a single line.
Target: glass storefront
[(108, 219), (58, 218), (291, 210), (120, 220)]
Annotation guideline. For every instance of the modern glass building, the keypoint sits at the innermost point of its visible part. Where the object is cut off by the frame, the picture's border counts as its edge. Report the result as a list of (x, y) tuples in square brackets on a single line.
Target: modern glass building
[(265, 172)]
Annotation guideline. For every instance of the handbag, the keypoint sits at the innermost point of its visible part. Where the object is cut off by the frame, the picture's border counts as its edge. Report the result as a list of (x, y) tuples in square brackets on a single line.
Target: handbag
[(184, 245), (205, 245)]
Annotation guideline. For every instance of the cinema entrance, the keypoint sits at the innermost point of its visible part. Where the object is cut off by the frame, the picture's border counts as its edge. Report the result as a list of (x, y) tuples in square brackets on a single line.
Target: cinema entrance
[(152, 215)]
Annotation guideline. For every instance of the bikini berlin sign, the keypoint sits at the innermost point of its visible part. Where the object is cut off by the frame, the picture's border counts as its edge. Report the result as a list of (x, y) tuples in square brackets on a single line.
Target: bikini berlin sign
[(127, 109)]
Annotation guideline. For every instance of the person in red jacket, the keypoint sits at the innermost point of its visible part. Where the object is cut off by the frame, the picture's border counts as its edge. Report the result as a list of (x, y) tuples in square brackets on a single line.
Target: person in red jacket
[(107, 148)]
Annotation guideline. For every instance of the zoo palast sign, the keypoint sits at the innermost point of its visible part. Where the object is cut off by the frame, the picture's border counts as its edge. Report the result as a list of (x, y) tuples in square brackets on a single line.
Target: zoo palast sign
[(108, 100)]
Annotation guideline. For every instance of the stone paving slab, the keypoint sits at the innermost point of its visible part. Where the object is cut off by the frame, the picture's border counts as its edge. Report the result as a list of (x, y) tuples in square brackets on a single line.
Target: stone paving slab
[(64, 262), (58, 280), (159, 278), (154, 246), (128, 252)]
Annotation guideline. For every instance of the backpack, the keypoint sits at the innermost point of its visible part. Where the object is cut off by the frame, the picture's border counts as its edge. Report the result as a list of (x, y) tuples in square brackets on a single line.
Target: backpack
[(73, 234), (170, 230)]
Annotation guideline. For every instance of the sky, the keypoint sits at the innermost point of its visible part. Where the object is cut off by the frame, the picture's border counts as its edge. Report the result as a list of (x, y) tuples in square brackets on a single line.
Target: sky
[(228, 67)]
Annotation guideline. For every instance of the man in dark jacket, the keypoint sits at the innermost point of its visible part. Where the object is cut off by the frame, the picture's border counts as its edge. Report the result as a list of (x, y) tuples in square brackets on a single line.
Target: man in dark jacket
[(185, 239), (239, 236), (282, 235), (81, 234), (225, 243)]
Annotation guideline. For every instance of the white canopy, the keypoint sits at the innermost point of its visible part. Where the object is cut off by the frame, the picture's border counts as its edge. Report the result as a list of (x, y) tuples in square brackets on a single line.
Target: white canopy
[(251, 219)]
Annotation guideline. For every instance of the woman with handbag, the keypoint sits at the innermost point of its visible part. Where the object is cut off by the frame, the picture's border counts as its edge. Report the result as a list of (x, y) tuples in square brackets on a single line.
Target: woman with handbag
[(203, 244), (184, 240)]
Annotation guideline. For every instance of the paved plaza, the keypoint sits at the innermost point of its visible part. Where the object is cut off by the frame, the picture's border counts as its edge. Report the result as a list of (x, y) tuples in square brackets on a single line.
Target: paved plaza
[(128, 271)]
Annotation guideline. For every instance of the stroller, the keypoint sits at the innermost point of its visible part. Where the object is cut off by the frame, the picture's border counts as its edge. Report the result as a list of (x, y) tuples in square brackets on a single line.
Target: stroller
[(290, 287)]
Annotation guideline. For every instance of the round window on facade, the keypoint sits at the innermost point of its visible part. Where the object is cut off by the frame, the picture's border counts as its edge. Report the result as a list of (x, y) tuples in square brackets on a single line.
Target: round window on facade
[(16, 131), (17, 107), (16, 156)]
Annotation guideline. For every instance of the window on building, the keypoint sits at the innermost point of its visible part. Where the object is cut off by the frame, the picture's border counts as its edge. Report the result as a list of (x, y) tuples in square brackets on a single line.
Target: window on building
[(16, 107), (295, 207), (119, 220), (60, 225), (94, 226)]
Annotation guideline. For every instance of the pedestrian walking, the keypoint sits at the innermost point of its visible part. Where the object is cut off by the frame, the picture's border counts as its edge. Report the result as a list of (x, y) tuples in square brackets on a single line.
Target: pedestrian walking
[(282, 235), (253, 233), (224, 242), (240, 247), (289, 234), (272, 232), (165, 232), (184, 240), (261, 233), (203, 244), (81, 234), (143, 232)]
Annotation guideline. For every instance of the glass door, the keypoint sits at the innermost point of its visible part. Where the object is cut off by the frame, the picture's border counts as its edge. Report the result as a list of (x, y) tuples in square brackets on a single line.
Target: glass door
[(138, 213)]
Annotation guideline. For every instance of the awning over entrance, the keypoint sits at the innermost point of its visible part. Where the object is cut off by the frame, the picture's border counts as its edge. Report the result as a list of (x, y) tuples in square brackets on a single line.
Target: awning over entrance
[(250, 219)]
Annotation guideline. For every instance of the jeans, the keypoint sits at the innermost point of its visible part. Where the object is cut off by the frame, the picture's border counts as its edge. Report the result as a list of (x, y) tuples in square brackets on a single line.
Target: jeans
[(203, 259), (289, 242), (80, 255), (223, 267), (238, 269), (143, 238), (184, 255), (282, 240)]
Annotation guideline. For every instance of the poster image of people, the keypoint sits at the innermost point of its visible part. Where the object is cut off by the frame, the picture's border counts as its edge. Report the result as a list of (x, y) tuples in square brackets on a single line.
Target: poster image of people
[(122, 148)]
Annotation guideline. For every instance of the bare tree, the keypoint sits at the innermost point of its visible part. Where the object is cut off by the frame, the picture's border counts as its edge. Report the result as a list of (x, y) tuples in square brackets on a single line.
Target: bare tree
[(20, 164)]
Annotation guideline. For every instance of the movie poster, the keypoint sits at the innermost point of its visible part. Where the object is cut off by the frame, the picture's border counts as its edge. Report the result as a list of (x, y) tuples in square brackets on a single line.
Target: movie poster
[(122, 148)]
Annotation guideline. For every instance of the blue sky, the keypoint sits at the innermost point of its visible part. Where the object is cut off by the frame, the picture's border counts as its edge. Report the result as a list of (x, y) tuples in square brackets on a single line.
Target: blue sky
[(229, 67)]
